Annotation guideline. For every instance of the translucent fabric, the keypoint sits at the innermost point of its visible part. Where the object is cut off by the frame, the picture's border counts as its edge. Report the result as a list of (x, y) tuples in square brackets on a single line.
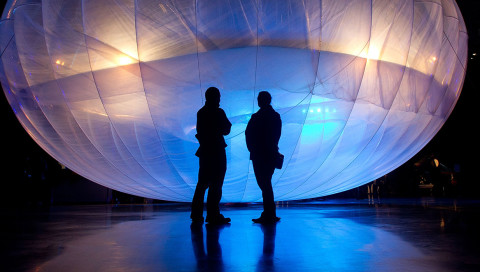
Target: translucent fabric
[(111, 88)]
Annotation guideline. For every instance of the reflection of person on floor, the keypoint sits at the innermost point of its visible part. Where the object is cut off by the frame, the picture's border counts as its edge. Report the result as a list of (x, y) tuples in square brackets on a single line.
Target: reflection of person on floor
[(262, 135), (212, 125), (266, 260), (212, 260)]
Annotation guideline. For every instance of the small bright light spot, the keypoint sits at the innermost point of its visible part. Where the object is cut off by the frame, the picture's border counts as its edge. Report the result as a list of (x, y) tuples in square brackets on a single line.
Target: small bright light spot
[(434, 58), (474, 54), (59, 62), (373, 53), (124, 60), (304, 110), (318, 110), (311, 110)]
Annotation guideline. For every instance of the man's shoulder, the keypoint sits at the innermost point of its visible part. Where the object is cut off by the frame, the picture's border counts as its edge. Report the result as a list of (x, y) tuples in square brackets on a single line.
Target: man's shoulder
[(210, 109), (268, 113), (207, 110), (255, 116), (273, 113), (202, 109)]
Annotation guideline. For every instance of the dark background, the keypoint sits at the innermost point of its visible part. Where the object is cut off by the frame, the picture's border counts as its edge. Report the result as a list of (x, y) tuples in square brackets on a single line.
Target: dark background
[(31, 177)]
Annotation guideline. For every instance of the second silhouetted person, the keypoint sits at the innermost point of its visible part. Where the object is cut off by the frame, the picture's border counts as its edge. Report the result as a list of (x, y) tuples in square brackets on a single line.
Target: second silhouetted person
[(262, 136)]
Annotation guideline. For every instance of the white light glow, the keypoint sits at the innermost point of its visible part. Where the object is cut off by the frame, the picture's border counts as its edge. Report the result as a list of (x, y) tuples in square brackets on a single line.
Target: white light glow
[(124, 60)]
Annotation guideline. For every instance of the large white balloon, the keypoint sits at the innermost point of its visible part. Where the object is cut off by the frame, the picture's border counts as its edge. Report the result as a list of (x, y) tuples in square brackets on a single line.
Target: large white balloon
[(111, 88)]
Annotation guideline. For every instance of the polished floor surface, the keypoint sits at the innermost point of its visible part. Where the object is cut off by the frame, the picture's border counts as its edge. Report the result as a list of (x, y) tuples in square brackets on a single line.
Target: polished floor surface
[(393, 235)]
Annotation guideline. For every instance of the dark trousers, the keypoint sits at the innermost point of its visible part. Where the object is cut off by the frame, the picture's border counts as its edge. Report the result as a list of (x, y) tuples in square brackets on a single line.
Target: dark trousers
[(263, 173), (210, 175)]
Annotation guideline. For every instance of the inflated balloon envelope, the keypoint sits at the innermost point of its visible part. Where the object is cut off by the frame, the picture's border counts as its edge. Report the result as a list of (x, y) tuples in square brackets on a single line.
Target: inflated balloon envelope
[(111, 88)]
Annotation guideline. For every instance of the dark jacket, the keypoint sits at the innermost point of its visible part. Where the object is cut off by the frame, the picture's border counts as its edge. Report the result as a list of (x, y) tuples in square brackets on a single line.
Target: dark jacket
[(212, 124), (263, 133)]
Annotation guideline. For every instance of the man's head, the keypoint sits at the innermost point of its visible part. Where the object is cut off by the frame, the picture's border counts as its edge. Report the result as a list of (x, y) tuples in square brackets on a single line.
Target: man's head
[(212, 95), (264, 99)]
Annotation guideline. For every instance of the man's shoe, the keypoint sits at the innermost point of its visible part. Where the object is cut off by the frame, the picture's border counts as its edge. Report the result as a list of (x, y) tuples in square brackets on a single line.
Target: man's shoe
[(266, 220), (218, 220)]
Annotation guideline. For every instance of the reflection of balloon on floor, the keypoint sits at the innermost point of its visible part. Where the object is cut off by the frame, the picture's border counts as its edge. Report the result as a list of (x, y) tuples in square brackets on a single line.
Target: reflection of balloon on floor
[(111, 88)]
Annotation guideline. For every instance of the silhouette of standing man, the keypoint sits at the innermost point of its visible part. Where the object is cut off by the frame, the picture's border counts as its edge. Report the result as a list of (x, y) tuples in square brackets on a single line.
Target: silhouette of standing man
[(212, 125), (262, 136)]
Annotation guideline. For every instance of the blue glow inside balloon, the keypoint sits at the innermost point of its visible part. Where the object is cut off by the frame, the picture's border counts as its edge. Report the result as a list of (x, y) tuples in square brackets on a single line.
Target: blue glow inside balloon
[(111, 88)]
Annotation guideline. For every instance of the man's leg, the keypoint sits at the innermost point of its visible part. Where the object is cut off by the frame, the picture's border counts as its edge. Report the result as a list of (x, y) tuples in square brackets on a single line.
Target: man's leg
[(213, 199), (267, 194), (263, 174), (199, 195), (219, 168)]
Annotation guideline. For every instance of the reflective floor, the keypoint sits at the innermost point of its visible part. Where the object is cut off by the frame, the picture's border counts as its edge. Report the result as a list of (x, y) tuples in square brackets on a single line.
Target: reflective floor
[(394, 235)]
